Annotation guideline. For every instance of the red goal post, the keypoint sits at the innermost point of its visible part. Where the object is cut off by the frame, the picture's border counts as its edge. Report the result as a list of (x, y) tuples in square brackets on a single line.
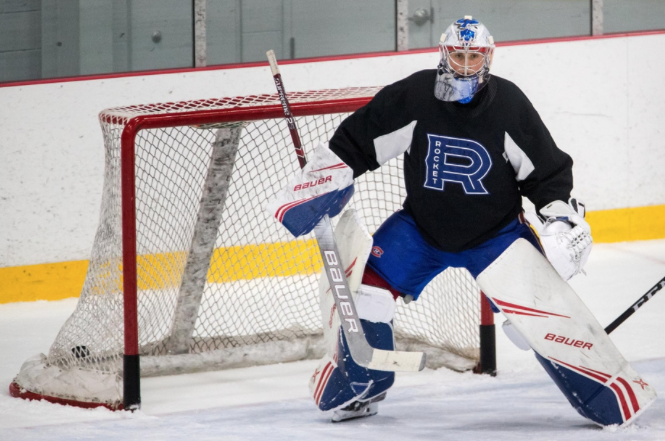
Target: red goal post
[(185, 176), (185, 118)]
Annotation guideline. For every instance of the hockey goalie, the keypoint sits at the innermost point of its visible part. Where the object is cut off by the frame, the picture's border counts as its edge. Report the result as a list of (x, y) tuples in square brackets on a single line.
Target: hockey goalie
[(473, 145)]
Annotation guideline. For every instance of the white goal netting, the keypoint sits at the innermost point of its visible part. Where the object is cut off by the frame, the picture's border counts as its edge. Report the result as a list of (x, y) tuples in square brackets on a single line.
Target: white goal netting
[(245, 293)]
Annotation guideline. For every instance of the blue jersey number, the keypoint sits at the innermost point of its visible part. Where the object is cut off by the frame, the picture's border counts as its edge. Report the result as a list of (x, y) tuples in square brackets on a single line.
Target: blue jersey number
[(456, 160)]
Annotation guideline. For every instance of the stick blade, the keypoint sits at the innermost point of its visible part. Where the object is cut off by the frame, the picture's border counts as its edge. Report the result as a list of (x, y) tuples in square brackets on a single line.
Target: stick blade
[(397, 361)]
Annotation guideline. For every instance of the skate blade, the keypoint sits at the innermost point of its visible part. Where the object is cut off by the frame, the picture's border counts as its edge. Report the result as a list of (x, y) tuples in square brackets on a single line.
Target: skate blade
[(365, 411)]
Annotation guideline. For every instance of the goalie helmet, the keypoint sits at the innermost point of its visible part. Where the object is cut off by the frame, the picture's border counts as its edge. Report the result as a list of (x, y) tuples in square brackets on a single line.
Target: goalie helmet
[(466, 50)]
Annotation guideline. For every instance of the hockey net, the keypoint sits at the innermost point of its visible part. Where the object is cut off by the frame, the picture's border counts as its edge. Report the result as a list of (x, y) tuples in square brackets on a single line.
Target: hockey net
[(226, 286)]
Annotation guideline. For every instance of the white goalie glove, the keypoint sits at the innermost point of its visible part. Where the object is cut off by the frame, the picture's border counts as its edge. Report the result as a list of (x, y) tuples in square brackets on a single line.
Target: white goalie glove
[(565, 235)]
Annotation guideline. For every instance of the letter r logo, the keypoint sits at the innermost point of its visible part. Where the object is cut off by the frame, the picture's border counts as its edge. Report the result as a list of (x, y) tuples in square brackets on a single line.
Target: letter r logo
[(458, 160)]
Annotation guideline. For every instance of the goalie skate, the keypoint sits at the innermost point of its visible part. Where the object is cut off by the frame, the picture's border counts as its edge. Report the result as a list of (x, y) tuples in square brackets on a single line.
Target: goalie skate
[(358, 409)]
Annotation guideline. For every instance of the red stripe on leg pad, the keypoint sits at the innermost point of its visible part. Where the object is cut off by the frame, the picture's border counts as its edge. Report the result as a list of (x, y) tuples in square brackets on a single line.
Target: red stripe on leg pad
[(581, 370), (631, 394), (622, 400), (599, 373), (319, 387), (510, 311), (324, 381), (617, 390), (524, 308)]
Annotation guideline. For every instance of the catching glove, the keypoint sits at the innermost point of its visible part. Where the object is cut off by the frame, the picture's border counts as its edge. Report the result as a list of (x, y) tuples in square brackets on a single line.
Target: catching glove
[(565, 235)]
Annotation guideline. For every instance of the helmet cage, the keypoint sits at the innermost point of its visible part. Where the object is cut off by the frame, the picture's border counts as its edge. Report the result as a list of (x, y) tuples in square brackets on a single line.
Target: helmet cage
[(448, 66)]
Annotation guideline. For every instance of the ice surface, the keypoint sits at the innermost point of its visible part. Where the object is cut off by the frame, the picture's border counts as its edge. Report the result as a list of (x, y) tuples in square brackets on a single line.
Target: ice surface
[(271, 402)]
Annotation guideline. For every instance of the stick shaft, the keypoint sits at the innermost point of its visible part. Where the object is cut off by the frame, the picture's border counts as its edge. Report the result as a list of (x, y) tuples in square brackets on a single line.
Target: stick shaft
[(325, 238), (635, 306), (293, 129), (361, 352)]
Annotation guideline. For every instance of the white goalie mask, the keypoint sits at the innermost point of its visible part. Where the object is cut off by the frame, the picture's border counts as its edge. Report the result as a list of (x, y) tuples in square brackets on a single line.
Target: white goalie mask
[(466, 50)]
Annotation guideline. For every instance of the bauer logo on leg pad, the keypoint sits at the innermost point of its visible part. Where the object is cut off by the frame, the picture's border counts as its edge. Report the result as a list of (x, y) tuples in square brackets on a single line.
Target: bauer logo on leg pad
[(569, 341), (457, 160)]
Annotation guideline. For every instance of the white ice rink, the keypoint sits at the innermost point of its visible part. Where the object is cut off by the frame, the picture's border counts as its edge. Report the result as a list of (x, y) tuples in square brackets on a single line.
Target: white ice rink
[(272, 403)]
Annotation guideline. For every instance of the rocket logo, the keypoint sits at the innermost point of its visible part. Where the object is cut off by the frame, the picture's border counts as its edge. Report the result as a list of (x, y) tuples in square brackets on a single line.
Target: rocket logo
[(462, 161)]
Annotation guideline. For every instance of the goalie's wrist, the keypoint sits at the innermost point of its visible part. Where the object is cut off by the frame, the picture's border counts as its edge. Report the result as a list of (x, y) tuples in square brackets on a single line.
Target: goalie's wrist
[(564, 234), (571, 212)]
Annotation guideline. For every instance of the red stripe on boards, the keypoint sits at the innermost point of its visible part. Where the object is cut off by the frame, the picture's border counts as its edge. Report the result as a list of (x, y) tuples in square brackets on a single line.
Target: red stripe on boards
[(319, 59)]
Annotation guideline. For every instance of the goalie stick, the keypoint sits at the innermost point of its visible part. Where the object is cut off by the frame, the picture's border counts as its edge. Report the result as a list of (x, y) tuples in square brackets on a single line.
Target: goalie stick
[(362, 353), (635, 306)]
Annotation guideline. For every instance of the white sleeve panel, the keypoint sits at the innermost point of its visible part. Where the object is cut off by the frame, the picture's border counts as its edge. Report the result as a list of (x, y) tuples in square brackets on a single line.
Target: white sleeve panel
[(518, 159), (394, 144)]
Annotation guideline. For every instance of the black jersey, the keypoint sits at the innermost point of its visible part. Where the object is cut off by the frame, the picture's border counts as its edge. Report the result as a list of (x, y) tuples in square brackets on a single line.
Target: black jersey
[(466, 166)]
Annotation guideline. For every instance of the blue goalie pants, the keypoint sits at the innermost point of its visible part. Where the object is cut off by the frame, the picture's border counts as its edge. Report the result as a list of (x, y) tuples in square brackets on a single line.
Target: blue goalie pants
[(402, 257), (407, 263)]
